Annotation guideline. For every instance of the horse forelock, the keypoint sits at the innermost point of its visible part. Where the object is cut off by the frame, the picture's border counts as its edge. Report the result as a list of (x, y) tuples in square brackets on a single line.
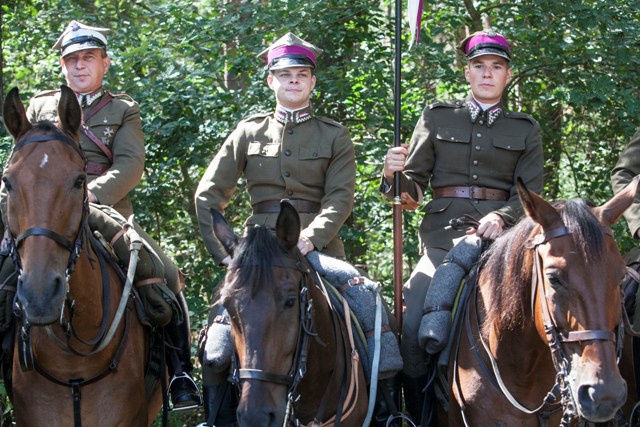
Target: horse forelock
[(255, 257), (508, 266)]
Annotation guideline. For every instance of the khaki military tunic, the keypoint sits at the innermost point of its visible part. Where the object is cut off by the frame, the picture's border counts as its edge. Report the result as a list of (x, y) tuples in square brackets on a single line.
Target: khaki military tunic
[(310, 158), (626, 169), (119, 127), (457, 144)]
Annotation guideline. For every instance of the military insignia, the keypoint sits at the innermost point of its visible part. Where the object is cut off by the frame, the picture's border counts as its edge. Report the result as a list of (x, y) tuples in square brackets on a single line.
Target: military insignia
[(105, 120), (492, 115), (474, 110), (108, 133)]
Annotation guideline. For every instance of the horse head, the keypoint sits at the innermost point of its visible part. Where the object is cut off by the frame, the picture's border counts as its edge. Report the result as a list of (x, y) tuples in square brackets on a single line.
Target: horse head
[(45, 185), (576, 274), (262, 293)]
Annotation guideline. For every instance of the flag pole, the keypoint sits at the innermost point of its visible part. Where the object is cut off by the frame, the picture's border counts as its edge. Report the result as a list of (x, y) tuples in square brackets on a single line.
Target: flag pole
[(397, 202)]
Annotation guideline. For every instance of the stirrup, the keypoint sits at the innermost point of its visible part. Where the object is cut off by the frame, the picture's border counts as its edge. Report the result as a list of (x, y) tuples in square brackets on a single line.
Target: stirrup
[(195, 391)]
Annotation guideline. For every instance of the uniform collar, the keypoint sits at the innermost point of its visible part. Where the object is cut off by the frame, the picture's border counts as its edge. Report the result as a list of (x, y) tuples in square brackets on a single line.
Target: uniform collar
[(285, 116), (86, 99), (489, 116)]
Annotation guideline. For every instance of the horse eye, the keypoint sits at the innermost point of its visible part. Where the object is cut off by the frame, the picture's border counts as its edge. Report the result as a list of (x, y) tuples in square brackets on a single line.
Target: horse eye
[(80, 180), (7, 185), (554, 280), (290, 302)]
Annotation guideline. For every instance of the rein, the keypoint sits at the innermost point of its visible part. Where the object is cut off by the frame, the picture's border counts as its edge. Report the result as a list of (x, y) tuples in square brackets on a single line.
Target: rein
[(555, 338), (103, 338), (298, 367)]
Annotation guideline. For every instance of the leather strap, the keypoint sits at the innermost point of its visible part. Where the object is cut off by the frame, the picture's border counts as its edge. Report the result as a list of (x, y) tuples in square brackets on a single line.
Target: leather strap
[(96, 168), (473, 192), (273, 206), (85, 118)]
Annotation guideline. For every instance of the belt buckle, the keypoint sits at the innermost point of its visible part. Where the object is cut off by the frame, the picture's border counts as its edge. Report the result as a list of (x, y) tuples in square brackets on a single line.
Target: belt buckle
[(476, 193)]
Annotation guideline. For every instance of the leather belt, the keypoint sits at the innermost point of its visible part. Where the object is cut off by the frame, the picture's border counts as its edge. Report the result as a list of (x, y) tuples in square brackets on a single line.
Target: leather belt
[(476, 193), (96, 168), (273, 206)]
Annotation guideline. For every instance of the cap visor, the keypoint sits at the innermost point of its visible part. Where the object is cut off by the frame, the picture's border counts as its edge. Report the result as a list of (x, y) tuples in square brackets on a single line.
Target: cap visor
[(285, 62), (80, 46), (488, 51)]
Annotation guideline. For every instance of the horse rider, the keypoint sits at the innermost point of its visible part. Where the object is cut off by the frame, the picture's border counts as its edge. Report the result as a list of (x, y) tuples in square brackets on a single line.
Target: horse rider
[(469, 152), (289, 153), (113, 142)]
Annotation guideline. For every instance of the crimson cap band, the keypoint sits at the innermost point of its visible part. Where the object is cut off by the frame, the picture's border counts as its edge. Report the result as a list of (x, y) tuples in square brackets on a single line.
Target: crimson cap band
[(485, 43), (290, 51), (78, 36)]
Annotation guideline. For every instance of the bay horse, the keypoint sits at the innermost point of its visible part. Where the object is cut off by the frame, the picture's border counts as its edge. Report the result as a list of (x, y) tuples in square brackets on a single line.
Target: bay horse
[(73, 362), (542, 329), (295, 360)]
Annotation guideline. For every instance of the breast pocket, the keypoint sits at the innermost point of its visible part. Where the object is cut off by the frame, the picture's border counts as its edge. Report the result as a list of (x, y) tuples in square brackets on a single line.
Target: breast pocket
[(452, 147), (106, 130), (506, 153), (262, 161), (314, 162)]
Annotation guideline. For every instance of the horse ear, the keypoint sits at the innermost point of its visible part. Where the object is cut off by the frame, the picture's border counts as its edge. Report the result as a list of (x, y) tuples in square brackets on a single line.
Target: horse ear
[(288, 225), (610, 212), (69, 112), (14, 115), (223, 231), (537, 208)]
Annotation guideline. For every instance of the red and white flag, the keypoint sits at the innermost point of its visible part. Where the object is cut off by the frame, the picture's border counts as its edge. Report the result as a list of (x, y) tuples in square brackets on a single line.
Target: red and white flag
[(415, 19)]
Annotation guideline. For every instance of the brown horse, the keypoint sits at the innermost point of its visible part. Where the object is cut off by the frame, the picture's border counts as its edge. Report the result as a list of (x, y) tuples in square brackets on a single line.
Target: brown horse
[(542, 329), (295, 357), (76, 361)]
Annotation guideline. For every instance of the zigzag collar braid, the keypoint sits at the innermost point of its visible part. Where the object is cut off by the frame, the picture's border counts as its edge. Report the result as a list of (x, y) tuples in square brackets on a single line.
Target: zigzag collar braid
[(285, 116)]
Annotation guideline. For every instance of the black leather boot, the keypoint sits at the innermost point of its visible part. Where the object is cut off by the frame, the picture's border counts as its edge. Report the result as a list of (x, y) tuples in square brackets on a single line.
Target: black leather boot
[(183, 390), (414, 396), (388, 402), (220, 404)]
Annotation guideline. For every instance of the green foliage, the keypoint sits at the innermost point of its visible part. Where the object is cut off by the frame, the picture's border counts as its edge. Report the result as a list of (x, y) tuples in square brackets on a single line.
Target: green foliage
[(192, 67)]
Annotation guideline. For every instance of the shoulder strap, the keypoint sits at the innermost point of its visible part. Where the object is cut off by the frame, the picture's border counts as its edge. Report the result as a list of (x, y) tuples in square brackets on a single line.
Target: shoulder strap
[(85, 118)]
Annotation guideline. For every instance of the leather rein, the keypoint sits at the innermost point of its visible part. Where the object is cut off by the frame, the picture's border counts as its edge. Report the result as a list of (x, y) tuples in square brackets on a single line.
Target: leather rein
[(99, 342), (298, 367), (555, 339)]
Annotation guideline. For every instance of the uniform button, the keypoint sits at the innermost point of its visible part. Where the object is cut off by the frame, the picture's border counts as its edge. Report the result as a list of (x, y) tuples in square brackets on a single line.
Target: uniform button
[(475, 163), (287, 174), (475, 177), (290, 193), (287, 152), (314, 155), (481, 122), (452, 138), (479, 135), (477, 148), (290, 131), (508, 146)]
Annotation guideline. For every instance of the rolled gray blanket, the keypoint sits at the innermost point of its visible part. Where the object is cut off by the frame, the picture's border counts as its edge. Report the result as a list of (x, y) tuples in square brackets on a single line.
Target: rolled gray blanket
[(360, 294), (435, 325), (218, 345)]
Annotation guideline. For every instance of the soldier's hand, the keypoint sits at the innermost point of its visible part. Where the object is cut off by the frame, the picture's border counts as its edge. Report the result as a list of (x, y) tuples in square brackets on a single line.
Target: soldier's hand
[(305, 245), (490, 227), (394, 161)]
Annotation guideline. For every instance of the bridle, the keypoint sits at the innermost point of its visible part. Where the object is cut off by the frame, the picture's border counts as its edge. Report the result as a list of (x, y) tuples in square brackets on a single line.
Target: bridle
[(103, 338), (299, 364), (74, 247), (555, 338)]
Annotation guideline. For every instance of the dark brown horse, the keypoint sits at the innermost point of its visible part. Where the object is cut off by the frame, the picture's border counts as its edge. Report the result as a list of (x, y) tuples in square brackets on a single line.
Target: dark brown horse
[(75, 360), (542, 331), (295, 356)]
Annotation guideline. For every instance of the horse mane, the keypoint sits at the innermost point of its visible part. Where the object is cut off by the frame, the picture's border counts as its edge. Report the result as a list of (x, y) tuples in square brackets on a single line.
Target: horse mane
[(507, 265), (254, 258)]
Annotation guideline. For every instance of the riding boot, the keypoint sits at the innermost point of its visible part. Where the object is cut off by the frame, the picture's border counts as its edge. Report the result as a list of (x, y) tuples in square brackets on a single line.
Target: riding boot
[(183, 390), (414, 396), (388, 402), (220, 403)]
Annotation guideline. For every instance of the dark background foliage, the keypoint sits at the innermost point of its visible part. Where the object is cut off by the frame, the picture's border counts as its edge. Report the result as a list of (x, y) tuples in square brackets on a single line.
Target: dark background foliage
[(192, 67)]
